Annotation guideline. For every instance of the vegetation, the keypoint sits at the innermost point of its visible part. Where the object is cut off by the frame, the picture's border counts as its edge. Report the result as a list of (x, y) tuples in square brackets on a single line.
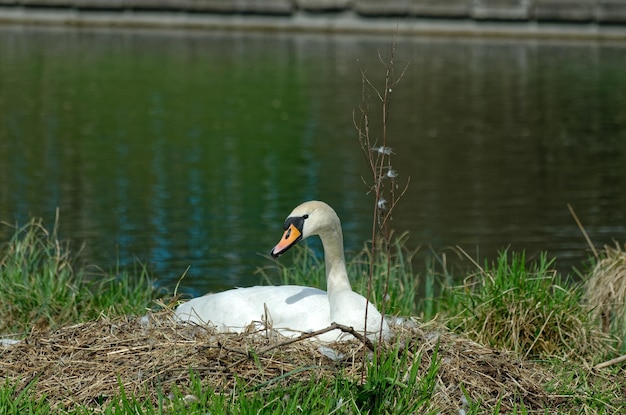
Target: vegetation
[(527, 308), (515, 323), (605, 292), (41, 286)]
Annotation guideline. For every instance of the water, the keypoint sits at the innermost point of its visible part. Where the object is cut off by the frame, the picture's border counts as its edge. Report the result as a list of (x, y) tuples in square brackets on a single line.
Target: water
[(187, 149)]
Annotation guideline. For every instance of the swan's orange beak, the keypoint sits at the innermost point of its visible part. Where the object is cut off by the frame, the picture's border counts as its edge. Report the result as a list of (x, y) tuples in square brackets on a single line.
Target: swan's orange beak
[(290, 237)]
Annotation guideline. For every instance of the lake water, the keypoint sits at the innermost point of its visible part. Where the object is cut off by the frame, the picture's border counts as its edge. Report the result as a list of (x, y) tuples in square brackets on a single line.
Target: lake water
[(189, 149)]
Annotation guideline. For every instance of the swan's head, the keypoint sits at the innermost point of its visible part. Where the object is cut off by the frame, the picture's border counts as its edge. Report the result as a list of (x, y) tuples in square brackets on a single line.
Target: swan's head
[(309, 218)]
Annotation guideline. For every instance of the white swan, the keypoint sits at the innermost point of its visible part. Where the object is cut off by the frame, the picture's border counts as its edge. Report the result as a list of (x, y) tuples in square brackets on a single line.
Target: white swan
[(292, 309)]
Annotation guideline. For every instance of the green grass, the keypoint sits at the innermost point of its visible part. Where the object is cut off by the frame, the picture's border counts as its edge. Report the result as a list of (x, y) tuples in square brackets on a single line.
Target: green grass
[(592, 392), (393, 387), (510, 304), (41, 286), (525, 307), (15, 401)]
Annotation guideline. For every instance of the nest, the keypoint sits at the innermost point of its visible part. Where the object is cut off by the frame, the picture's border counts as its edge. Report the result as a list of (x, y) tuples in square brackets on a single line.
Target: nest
[(88, 363)]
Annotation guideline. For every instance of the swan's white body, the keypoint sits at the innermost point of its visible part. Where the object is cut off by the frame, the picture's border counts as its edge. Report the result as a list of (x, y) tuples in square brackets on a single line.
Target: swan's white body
[(290, 309)]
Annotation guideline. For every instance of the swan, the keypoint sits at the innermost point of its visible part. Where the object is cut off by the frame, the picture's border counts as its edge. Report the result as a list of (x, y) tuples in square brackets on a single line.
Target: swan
[(292, 309)]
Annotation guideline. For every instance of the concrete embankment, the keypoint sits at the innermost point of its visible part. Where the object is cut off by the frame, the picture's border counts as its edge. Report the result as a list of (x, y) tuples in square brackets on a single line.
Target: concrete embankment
[(592, 19)]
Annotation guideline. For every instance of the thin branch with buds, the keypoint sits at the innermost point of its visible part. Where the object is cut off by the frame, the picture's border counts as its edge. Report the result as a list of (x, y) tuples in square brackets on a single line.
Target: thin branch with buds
[(378, 154)]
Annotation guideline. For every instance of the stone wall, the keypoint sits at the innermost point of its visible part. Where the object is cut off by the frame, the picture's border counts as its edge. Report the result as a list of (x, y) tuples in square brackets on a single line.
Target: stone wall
[(598, 11)]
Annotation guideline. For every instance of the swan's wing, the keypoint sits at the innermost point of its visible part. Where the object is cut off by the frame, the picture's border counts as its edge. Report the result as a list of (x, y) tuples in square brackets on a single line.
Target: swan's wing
[(227, 311), (289, 308), (349, 309)]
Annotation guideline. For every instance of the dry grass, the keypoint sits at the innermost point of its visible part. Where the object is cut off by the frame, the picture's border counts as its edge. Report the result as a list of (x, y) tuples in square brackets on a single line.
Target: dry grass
[(487, 376), (605, 290), (85, 364)]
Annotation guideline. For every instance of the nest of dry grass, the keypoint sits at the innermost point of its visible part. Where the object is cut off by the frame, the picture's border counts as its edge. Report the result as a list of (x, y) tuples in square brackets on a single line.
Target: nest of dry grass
[(85, 364), (606, 289)]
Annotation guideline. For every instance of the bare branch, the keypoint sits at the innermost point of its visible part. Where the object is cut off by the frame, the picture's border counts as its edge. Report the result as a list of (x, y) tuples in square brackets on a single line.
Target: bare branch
[(373, 88), (378, 157), (610, 362), (397, 81)]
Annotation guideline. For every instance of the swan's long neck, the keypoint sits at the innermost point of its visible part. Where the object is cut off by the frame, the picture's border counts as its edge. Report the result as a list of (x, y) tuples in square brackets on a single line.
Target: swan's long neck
[(336, 273)]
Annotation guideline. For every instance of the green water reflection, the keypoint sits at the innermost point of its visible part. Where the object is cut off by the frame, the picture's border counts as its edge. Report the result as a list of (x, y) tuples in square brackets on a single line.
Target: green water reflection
[(189, 149)]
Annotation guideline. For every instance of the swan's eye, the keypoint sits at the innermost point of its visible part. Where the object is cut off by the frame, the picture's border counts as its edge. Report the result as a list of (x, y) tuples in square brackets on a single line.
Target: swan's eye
[(305, 217)]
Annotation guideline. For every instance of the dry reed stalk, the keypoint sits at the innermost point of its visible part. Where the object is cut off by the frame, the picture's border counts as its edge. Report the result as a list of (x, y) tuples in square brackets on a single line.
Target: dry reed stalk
[(605, 289)]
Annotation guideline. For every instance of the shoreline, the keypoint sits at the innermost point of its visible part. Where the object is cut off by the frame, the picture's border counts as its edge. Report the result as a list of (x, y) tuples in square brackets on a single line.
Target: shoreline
[(345, 22)]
